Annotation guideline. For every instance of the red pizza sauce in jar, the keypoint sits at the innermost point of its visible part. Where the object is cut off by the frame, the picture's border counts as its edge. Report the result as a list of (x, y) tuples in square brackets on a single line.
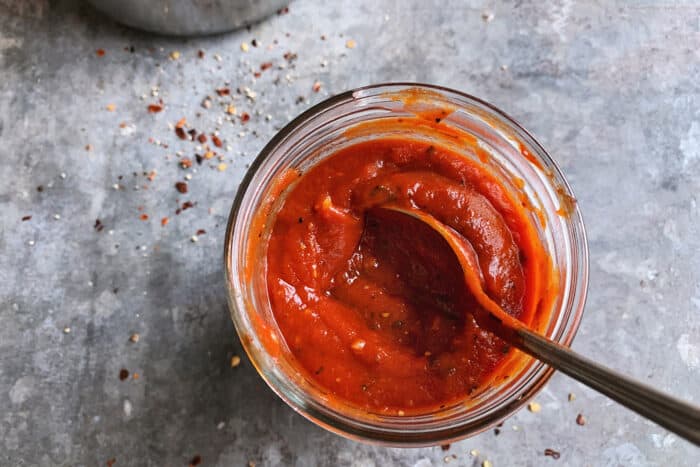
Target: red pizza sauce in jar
[(355, 318)]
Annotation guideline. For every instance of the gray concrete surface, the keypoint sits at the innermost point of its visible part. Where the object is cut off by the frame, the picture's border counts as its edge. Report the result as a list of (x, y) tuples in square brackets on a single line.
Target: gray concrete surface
[(612, 89)]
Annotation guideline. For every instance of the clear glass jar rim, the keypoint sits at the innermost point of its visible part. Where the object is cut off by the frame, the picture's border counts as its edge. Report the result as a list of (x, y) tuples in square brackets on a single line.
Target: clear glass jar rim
[(327, 420)]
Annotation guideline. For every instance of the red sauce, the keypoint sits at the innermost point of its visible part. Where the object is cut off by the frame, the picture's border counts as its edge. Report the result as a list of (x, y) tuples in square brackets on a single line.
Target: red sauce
[(360, 317)]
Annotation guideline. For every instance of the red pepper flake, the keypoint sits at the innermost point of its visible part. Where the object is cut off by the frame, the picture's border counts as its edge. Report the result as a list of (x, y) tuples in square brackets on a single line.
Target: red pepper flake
[(223, 91), (202, 138), (201, 232), (200, 53), (245, 117), (26, 218), (283, 11), (181, 187), (185, 206), (290, 57), (216, 140), (98, 225), (123, 374), (196, 460), (182, 134), (317, 86), (164, 221), (185, 163), (111, 462), (143, 217), (100, 52), (151, 175), (181, 123), (445, 447), (155, 108), (257, 74), (580, 420), (552, 453), (192, 133), (265, 66)]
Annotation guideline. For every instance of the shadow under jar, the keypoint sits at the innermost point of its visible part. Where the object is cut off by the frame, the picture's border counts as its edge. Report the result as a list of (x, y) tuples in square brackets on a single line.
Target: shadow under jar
[(427, 115)]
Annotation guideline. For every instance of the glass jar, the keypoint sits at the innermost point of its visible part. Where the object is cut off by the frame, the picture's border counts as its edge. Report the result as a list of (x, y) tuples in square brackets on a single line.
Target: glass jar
[(506, 149)]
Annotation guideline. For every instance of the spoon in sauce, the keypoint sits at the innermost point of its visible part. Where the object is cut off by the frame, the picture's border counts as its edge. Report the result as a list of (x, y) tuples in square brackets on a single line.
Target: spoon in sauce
[(675, 415)]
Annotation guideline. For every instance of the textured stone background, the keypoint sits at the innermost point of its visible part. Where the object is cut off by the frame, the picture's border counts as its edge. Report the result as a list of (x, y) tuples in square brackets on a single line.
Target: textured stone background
[(612, 89)]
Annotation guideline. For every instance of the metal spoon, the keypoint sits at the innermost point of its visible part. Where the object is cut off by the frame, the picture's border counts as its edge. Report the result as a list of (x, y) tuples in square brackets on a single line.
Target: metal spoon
[(675, 415)]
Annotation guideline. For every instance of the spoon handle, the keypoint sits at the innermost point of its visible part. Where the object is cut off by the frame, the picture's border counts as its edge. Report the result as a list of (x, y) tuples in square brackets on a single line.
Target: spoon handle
[(675, 415)]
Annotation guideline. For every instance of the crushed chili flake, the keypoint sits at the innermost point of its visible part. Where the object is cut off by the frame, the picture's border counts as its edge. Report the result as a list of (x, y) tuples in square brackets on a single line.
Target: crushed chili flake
[(580, 420), (134, 338), (136, 376), (552, 453), (245, 117), (235, 361), (196, 460), (111, 462), (445, 447), (123, 374), (223, 91), (290, 57), (202, 138), (26, 218), (88, 147), (99, 226), (231, 109), (217, 141), (181, 123), (151, 175), (201, 232), (264, 66), (181, 187), (100, 52), (257, 74), (164, 221), (200, 53), (143, 217), (283, 11), (155, 108), (185, 206), (317, 86), (181, 133), (185, 163)]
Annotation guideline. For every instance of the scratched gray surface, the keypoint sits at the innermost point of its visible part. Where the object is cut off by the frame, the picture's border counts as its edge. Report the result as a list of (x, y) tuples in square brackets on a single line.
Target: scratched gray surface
[(612, 89)]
